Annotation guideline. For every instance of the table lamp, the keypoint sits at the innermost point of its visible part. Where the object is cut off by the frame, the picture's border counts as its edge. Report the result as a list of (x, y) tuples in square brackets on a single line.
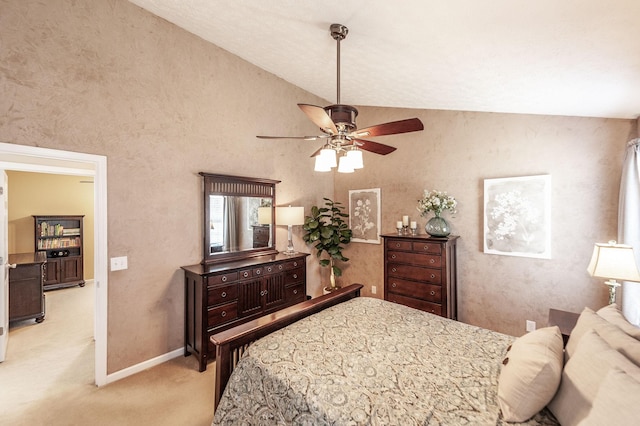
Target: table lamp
[(615, 262), (290, 216)]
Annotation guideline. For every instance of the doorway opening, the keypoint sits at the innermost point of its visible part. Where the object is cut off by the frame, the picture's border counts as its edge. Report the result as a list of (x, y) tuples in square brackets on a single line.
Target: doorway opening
[(43, 160)]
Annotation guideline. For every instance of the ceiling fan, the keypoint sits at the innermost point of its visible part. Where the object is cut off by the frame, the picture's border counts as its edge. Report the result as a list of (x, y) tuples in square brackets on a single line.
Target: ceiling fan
[(338, 125)]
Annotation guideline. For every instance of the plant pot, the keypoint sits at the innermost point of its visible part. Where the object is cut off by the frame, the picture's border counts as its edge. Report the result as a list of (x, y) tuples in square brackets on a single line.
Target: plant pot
[(328, 289)]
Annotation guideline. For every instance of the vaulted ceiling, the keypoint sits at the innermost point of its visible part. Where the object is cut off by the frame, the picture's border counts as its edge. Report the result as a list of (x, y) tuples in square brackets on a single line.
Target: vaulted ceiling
[(569, 57)]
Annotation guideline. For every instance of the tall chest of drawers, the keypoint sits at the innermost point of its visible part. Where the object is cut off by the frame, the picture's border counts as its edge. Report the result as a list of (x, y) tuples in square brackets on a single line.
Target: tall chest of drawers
[(221, 296), (420, 271)]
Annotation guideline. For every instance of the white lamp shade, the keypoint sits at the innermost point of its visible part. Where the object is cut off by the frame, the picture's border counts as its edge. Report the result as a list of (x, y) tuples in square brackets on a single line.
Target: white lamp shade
[(345, 165), (614, 261), (321, 164), (264, 215), (289, 215), (328, 156), (355, 158)]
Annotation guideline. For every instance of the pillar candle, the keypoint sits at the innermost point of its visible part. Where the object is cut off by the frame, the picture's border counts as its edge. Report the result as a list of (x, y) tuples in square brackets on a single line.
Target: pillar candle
[(405, 220), (414, 225), (399, 224)]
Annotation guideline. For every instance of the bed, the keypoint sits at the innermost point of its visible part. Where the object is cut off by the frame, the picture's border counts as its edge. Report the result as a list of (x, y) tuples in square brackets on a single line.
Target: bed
[(343, 359)]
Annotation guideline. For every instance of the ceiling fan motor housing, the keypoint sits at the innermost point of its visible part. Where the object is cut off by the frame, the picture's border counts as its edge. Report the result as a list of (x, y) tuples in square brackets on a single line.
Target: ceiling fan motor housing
[(344, 116)]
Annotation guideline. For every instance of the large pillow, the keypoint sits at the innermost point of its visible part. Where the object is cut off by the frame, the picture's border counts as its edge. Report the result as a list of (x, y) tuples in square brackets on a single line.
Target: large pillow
[(617, 401), (611, 333), (582, 376), (613, 314), (531, 374)]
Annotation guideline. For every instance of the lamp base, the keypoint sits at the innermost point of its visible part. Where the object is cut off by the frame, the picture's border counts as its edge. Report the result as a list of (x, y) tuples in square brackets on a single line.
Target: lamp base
[(613, 285), (289, 252)]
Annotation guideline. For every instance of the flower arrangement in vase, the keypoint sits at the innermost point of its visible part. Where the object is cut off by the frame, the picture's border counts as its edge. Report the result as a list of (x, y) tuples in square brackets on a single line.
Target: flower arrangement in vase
[(436, 202)]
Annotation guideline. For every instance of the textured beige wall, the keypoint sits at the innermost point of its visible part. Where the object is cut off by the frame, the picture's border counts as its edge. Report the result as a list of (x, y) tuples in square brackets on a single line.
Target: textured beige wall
[(48, 194), (111, 79), (455, 153)]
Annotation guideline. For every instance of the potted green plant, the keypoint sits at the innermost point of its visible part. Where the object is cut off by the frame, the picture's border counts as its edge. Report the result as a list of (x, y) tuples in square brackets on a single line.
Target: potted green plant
[(327, 230)]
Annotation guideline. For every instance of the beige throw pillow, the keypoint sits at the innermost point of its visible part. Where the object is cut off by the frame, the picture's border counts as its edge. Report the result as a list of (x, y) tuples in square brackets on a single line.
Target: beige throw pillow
[(613, 314), (583, 375), (611, 333), (617, 401), (531, 374)]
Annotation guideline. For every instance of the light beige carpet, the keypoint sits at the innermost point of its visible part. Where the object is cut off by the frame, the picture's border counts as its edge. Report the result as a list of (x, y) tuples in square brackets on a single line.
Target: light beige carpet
[(48, 376)]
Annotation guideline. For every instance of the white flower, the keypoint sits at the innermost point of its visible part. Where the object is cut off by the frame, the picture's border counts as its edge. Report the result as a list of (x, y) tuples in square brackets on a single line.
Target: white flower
[(436, 201)]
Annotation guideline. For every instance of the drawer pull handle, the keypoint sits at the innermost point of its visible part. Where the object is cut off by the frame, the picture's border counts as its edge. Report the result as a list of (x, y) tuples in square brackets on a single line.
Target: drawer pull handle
[(224, 278), (258, 271), (432, 261), (223, 314), (295, 263), (269, 269), (280, 267), (433, 276), (224, 294), (393, 256), (245, 274), (393, 285), (295, 276), (295, 291), (397, 244), (394, 270), (426, 247), (433, 293), (433, 311)]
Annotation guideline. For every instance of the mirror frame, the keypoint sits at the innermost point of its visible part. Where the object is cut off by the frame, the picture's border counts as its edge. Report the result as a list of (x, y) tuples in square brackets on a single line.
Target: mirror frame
[(215, 184)]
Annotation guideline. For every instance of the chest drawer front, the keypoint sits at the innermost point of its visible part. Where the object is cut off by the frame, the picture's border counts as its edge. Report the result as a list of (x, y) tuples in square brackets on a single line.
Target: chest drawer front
[(222, 294), (292, 264), (415, 258), (293, 276), (430, 248), (432, 293), (398, 245), (222, 278), (433, 308), (251, 273), (221, 314), (295, 293), (427, 275)]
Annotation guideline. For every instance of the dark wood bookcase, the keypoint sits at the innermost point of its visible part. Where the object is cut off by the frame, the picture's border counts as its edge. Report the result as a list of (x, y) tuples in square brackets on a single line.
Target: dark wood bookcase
[(61, 238)]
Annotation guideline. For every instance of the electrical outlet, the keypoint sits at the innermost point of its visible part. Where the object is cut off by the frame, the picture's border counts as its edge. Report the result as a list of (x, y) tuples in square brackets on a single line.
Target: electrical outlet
[(119, 263), (531, 325), (374, 289)]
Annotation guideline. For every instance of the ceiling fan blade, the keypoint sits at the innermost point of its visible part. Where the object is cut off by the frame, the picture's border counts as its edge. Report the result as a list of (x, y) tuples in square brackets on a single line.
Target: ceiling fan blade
[(375, 147), (320, 117), (306, 138), (391, 128)]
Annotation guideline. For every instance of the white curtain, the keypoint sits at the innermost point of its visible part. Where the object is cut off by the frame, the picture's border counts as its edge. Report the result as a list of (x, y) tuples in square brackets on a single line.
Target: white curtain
[(629, 224)]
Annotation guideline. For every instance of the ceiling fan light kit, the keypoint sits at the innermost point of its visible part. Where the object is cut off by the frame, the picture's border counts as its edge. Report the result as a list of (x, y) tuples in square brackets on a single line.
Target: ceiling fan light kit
[(338, 125)]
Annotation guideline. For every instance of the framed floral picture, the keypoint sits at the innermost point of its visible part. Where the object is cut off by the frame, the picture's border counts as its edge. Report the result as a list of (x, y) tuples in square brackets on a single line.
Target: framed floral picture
[(364, 215), (517, 216)]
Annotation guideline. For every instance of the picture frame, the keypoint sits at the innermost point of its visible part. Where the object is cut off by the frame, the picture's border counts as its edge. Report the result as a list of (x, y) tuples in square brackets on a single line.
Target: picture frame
[(364, 215), (517, 216)]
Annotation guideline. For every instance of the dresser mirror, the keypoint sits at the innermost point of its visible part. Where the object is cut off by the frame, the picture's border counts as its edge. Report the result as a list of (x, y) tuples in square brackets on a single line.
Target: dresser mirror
[(239, 217)]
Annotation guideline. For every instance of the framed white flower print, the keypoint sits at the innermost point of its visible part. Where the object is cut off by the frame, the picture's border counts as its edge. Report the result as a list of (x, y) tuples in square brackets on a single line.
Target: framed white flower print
[(364, 215), (517, 216)]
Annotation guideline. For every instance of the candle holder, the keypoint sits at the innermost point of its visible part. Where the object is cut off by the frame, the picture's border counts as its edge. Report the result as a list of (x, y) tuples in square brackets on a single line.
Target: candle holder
[(400, 230), (405, 229), (414, 231)]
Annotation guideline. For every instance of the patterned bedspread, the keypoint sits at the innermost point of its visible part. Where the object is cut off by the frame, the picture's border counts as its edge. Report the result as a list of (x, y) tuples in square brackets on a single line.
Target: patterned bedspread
[(368, 361)]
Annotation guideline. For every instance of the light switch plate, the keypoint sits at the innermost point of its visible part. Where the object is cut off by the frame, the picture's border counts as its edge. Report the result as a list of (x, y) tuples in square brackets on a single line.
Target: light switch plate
[(119, 263)]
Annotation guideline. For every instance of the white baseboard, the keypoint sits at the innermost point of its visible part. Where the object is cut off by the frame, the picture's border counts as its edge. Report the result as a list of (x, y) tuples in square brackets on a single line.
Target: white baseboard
[(129, 371)]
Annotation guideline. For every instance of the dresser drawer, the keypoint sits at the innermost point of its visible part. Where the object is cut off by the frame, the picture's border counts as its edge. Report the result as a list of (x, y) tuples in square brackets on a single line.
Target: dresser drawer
[(432, 293), (292, 264), (251, 273), (295, 293), (431, 248), (222, 278), (427, 275), (398, 245), (222, 294), (415, 258), (433, 308), (222, 314), (293, 276)]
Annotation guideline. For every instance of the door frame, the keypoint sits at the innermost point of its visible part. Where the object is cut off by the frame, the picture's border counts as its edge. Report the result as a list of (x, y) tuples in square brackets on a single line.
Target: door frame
[(45, 160)]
